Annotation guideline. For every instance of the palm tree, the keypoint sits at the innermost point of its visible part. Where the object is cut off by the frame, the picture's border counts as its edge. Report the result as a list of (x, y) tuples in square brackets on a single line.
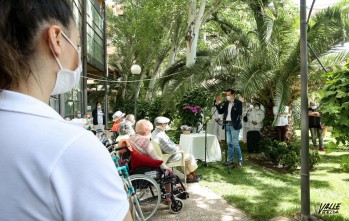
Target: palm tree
[(264, 62)]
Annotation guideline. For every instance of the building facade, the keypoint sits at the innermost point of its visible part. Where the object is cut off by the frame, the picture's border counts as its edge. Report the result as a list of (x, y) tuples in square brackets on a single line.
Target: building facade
[(89, 15)]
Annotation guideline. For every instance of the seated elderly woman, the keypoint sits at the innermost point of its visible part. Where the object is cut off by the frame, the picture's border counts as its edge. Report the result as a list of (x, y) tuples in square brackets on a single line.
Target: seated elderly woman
[(125, 131), (142, 144), (141, 141)]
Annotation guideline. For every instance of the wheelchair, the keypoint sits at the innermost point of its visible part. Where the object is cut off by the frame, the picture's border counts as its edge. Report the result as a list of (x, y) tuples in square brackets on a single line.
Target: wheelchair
[(163, 178)]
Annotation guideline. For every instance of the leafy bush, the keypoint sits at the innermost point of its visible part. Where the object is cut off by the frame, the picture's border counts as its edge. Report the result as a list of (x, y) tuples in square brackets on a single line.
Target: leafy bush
[(344, 165), (286, 154), (314, 158), (335, 108), (189, 112)]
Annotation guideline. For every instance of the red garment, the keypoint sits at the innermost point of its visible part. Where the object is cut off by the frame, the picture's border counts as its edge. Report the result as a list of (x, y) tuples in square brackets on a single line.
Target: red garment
[(116, 124)]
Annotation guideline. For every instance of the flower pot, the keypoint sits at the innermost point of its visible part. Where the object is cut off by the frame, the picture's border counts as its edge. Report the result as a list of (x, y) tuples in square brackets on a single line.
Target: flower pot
[(186, 132)]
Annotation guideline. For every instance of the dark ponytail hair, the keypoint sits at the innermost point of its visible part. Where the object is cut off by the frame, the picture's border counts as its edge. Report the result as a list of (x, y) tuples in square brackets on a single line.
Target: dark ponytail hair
[(20, 21)]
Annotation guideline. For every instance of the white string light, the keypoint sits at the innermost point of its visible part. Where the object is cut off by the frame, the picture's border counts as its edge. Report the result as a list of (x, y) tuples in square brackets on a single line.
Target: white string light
[(115, 81)]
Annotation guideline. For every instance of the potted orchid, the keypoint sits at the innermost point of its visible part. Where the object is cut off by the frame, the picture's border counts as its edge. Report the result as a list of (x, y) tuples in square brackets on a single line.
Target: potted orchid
[(194, 115), (190, 108)]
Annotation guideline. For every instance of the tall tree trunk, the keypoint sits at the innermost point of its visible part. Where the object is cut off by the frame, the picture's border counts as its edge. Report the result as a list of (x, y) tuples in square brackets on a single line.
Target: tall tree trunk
[(176, 40), (152, 82), (172, 56), (192, 35)]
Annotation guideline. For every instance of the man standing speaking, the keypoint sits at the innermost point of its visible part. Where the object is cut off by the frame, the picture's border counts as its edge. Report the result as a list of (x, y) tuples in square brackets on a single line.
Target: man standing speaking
[(232, 111)]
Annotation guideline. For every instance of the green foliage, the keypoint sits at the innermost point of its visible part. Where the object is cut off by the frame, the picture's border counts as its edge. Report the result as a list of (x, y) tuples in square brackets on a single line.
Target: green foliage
[(314, 158), (345, 164), (286, 154), (145, 110), (265, 194), (335, 104), (296, 112), (193, 98)]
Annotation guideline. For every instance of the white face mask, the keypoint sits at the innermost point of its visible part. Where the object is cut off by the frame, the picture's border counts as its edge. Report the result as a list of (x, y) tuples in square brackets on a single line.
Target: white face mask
[(313, 107), (99, 106), (66, 79), (257, 108), (228, 98)]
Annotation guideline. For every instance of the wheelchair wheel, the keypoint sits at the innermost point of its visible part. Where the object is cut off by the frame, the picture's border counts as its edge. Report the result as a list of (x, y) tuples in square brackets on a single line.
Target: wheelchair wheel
[(176, 206), (148, 194)]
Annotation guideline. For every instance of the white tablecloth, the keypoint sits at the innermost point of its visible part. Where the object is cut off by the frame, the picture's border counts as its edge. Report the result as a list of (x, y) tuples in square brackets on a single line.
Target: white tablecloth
[(195, 144)]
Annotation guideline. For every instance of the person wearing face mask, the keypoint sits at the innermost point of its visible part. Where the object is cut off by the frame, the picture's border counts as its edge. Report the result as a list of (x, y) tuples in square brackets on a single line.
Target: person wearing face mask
[(142, 144), (98, 120), (118, 118), (232, 111), (256, 117), (315, 126), (168, 146), (281, 121), (78, 119), (66, 174), (246, 110), (141, 140), (216, 120)]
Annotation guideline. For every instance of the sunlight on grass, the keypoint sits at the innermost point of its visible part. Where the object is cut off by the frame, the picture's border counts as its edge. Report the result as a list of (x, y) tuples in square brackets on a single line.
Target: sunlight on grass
[(264, 194)]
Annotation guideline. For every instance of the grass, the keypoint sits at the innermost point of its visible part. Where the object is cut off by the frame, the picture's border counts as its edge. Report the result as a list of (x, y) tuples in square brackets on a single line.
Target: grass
[(263, 193)]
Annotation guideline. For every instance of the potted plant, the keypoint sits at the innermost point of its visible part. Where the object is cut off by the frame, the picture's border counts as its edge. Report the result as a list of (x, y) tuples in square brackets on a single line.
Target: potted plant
[(185, 129)]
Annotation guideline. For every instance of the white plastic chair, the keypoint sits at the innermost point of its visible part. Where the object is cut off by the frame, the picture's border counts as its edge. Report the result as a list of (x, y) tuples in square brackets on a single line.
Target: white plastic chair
[(172, 164)]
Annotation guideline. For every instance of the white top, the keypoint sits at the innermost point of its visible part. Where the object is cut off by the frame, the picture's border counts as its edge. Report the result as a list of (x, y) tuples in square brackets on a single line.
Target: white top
[(79, 121), (246, 109), (281, 119), (215, 115), (257, 116), (100, 115), (230, 106), (53, 170)]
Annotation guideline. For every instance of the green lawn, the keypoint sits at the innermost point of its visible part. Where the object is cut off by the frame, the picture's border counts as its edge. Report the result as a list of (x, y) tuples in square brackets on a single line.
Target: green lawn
[(265, 194)]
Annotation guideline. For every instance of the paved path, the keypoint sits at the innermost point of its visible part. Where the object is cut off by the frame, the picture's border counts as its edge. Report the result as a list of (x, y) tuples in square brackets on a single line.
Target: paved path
[(203, 205)]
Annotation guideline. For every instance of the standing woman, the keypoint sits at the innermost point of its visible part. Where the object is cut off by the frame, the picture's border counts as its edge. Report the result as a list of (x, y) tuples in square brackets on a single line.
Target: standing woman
[(98, 119), (246, 111), (57, 171), (217, 119)]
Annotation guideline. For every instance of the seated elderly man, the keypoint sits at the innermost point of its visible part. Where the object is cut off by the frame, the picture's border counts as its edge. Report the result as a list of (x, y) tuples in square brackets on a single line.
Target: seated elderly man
[(168, 146)]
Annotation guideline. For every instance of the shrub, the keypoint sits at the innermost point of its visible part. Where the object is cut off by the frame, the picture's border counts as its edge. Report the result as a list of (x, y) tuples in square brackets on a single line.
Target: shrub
[(286, 154), (335, 108), (191, 105), (314, 158)]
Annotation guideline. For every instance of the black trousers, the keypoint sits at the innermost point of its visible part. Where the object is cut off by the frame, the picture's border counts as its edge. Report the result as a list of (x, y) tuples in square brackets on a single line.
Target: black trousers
[(280, 132)]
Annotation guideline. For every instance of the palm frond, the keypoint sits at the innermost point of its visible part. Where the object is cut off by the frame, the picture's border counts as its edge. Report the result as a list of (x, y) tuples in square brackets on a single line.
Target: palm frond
[(186, 79)]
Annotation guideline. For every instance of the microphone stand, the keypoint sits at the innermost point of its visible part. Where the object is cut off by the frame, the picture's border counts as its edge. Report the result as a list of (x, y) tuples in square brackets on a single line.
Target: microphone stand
[(225, 140), (206, 154)]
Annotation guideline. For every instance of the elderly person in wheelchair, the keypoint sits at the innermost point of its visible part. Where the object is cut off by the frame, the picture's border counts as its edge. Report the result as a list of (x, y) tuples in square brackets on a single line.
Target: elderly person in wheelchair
[(168, 146), (141, 143)]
